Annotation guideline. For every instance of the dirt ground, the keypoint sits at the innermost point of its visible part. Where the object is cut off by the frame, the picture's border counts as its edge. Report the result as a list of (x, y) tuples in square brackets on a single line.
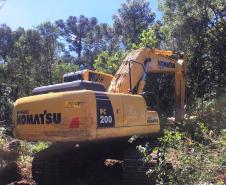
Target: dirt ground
[(14, 173)]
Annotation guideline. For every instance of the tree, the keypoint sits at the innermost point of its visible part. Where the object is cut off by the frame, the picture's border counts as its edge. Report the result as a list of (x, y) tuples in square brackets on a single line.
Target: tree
[(107, 62), (7, 40), (32, 59), (110, 40), (147, 39), (133, 17), (49, 53), (101, 38), (21, 64), (198, 28), (60, 69), (75, 30), (6, 103)]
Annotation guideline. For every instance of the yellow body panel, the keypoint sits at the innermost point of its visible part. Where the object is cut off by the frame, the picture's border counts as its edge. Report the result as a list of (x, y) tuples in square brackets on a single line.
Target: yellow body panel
[(132, 115), (82, 116)]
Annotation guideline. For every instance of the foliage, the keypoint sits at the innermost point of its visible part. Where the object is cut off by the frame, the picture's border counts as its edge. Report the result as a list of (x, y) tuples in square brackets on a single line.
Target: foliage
[(134, 16), (198, 28), (108, 63), (183, 159), (2, 142), (37, 147), (30, 62), (27, 151), (7, 40), (86, 37), (75, 30), (62, 68), (150, 37), (212, 112), (49, 54), (5, 104), (101, 38)]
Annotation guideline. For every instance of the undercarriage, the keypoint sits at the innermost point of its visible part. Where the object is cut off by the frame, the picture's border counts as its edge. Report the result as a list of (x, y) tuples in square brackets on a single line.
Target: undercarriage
[(111, 162)]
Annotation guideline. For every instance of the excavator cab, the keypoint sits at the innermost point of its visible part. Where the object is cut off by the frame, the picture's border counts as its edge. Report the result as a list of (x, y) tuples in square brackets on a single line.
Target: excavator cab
[(89, 75)]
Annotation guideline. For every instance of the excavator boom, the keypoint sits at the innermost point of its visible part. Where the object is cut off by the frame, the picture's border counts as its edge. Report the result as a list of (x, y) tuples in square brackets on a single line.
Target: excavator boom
[(138, 63)]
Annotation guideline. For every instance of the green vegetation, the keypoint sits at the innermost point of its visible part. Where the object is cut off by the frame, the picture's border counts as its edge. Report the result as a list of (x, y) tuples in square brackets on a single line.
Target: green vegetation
[(192, 153), (133, 17), (62, 68), (148, 38), (107, 62), (187, 159)]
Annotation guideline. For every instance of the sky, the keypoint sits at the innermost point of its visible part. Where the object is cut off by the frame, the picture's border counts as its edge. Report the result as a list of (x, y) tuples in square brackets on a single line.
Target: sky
[(30, 13)]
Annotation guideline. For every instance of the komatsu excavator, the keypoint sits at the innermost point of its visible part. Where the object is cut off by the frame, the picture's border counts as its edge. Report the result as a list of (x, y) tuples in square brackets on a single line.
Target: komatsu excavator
[(89, 120)]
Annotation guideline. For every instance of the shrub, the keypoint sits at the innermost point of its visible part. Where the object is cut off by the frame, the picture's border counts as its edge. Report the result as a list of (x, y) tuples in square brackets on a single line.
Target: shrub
[(28, 149), (183, 159), (37, 147)]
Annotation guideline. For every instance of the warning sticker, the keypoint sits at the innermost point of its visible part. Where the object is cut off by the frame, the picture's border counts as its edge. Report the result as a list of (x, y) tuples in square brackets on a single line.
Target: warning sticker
[(72, 104)]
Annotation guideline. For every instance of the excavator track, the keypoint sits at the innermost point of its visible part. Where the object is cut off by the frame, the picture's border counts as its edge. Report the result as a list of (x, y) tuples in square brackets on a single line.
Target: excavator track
[(49, 165), (85, 163), (134, 168)]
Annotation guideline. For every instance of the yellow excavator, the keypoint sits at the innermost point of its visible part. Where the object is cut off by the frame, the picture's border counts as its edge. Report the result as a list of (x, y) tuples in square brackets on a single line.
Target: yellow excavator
[(91, 115)]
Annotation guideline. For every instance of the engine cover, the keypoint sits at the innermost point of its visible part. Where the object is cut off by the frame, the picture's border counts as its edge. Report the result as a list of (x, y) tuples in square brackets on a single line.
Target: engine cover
[(82, 116)]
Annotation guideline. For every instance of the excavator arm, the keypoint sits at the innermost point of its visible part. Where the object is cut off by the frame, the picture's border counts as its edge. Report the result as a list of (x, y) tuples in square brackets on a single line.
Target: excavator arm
[(132, 73)]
